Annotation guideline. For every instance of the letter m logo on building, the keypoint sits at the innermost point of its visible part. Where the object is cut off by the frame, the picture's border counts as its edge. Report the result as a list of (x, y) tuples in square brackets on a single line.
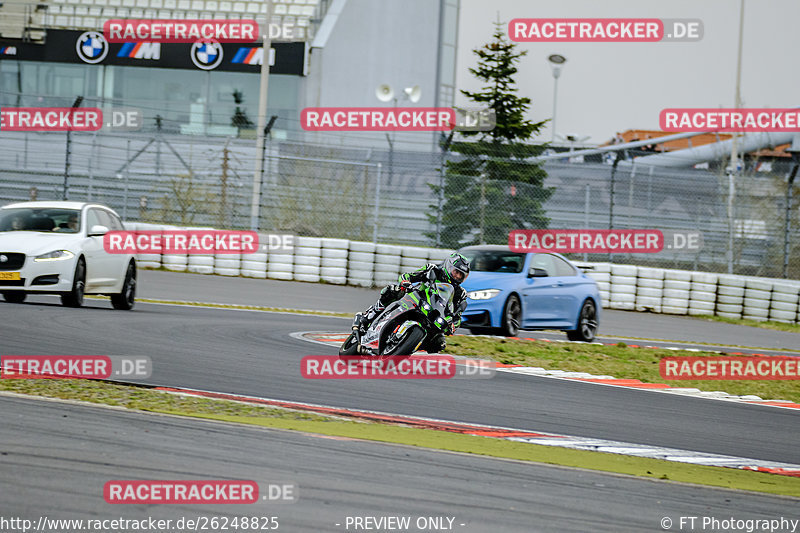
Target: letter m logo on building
[(141, 51)]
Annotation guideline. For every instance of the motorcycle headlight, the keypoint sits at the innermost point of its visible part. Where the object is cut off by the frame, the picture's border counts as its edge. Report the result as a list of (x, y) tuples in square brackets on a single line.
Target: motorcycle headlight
[(56, 255), (483, 295)]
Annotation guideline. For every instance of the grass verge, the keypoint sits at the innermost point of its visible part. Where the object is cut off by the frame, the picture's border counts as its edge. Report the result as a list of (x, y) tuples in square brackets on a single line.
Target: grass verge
[(144, 399), (620, 361), (768, 324)]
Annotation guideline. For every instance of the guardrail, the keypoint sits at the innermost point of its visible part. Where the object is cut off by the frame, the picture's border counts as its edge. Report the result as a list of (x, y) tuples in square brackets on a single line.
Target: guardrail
[(626, 287)]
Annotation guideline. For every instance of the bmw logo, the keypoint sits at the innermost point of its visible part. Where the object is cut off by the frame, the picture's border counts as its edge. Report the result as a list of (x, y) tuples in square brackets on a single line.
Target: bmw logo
[(92, 47), (3, 258), (206, 55)]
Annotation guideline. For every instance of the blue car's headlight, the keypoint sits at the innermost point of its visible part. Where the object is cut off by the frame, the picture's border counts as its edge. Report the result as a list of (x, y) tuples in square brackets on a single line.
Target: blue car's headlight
[(483, 295), (56, 255)]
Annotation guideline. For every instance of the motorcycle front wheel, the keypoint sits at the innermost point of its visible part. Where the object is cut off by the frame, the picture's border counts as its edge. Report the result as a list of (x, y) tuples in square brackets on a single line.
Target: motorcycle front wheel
[(350, 346), (407, 344)]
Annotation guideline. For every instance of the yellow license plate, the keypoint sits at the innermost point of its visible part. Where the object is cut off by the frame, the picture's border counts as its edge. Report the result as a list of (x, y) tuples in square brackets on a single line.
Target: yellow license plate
[(9, 276)]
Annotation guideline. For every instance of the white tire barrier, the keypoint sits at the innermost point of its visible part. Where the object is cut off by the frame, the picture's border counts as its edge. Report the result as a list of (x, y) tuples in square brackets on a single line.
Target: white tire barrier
[(624, 270), (623, 287), (733, 292), (605, 298), (679, 294), (783, 316), (361, 264), (280, 266), (387, 264), (333, 253), (674, 284), (413, 258), (731, 280), (227, 264), (701, 308), (700, 296), (678, 275), (333, 268), (730, 309), (648, 283), (599, 277), (649, 289), (646, 292), (648, 303), (255, 265), (759, 284), (201, 264), (437, 256), (757, 298)]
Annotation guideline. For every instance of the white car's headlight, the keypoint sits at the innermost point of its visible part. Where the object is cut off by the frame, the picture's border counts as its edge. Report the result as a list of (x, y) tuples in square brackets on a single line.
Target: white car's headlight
[(483, 295), (56, 255)]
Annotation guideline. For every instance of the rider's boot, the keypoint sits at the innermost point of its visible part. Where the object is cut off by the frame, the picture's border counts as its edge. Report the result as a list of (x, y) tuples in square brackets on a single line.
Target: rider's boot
[(370, 314)]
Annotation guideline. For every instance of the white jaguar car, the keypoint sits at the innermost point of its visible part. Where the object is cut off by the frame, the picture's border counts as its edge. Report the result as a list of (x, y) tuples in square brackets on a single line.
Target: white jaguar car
[(57, 248)]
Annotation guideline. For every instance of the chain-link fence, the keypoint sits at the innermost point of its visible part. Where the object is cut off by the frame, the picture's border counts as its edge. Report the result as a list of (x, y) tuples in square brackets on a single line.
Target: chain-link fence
[(406, 198)]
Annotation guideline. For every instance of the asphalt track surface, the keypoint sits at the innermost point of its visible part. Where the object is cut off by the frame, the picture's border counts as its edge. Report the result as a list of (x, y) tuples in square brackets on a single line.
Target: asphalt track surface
[(251, 353), (322, 297), (56, 457)]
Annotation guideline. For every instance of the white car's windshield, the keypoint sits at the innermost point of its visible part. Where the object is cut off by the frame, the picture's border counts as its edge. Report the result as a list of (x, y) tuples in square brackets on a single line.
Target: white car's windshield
[(46, 219)]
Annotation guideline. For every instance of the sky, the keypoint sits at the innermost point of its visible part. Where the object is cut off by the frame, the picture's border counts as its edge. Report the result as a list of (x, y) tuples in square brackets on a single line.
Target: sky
[(609, 87)]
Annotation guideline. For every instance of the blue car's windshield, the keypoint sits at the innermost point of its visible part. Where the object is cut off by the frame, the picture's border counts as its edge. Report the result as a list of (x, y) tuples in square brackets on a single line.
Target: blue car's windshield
[(494, 261)]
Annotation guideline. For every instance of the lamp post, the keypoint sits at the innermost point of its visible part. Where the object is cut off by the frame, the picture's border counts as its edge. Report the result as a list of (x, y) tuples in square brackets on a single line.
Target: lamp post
[(385, 93), (255, 199), (556, 63)]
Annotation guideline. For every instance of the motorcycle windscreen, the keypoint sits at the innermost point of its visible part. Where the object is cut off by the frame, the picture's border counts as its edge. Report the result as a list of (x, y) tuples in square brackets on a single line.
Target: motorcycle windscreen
[(447, 292)]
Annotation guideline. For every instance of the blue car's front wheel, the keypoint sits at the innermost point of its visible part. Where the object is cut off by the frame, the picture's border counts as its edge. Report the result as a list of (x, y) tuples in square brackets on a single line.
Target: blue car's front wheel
[(512, 317)]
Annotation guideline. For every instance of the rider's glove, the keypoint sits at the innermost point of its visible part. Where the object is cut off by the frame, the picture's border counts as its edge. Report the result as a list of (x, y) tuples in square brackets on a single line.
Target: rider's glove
[(405, 286)]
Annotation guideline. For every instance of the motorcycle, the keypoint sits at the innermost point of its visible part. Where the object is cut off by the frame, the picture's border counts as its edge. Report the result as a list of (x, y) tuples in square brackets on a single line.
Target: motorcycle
[(422, 312)]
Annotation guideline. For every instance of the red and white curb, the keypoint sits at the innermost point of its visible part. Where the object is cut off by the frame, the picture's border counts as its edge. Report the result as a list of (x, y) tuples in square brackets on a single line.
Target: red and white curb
[(329, 338), (515, 435)]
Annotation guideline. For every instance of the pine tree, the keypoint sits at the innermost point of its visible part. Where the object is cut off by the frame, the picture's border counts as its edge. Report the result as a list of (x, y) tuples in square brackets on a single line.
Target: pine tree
[(489, 188)]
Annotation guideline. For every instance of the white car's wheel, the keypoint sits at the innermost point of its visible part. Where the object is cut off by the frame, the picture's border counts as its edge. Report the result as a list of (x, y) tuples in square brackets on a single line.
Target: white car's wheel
[(14, 297), (74, 298), (127, 297)]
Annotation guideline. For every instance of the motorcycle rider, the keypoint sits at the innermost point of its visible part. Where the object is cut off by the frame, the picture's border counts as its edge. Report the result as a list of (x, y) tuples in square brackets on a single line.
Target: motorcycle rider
[(454, 270)]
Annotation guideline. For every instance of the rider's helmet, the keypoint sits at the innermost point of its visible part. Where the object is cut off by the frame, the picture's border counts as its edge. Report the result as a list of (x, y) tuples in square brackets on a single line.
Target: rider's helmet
[(455, 268)]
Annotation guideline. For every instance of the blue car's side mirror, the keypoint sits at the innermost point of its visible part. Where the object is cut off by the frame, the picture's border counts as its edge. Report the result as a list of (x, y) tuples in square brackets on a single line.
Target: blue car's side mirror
[(537, 273)]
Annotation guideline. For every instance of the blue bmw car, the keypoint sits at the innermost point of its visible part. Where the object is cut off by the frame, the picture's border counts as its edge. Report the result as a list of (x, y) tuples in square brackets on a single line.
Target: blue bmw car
[(509, 291)]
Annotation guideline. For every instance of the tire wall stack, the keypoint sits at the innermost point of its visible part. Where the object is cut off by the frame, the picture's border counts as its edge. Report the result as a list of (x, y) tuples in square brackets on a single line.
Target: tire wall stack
[(624, 287)]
